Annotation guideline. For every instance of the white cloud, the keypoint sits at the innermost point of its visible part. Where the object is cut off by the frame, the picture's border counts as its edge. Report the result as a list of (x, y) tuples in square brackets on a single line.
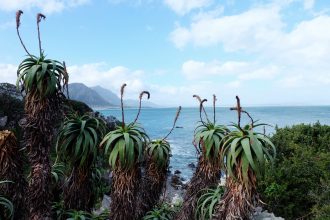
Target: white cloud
[(195, 70), (8, 73), (46, 6), (112, 78), (183, 7), (285, 58), (236, 32), (309, 4)]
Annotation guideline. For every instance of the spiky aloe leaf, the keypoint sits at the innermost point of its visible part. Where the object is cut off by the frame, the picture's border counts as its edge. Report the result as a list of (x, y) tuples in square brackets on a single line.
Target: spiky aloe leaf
[(209, 136), (78, 139), (247, 150), (207, 202), (6, 203), (125, 145), (159, 151), (45, 76)]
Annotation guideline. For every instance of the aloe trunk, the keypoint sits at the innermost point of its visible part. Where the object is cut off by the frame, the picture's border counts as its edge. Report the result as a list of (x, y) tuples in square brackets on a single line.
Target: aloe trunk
[(11, 169), (78, 194), (38, 135), (207, 175), (238, 200), (124, 191), (152, 186)]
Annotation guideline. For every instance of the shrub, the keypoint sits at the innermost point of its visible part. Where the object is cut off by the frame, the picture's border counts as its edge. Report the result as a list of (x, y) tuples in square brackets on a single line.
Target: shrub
[(298, 183)]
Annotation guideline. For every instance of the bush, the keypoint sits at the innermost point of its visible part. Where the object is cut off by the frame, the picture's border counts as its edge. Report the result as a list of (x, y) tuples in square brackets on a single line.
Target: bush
[(297, 184)]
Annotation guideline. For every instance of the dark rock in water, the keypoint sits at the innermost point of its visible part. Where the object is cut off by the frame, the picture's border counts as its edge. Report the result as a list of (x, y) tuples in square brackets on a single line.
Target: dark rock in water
[(177, 172), (185, 186), (192, 165), (176, 181), (178, 126)]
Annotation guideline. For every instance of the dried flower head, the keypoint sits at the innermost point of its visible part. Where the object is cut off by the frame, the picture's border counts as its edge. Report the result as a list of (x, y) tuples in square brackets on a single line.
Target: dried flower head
[(198, 98), (18, 18), (144, 93), (122, 89), (177, 114), (40, 16)]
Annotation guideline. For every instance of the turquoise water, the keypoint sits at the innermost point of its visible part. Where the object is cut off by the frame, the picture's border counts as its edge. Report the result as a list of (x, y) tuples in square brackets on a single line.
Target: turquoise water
[(158, 121)]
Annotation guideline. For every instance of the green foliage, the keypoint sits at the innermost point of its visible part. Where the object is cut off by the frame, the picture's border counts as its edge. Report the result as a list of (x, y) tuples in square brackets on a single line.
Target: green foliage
[(163, 212), (58, 170), (59, 213), (42, 75), (6, 204), (125, 144), (159, 151), (209, 136), (102, 216), (73, 106), (77, 215), (298, 183), (78, 139), (207, 202), (249, 150), (100, 185)]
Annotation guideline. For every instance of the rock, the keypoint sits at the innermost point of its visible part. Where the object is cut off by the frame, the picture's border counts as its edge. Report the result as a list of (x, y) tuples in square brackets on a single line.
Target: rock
[(106, 201), (192, 165), (265, 215), (177, 172), (176, 181), (105, 204), (112, 122), (3, 121), (10, 89), (177, 199)]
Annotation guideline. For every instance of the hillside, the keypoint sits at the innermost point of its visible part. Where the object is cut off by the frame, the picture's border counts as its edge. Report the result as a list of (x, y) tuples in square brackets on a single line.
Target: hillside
[(112, 98), (107, 95), (80, 92)]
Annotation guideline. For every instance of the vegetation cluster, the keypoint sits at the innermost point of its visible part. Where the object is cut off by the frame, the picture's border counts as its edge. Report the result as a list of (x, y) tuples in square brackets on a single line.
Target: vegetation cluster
[(59, 168)]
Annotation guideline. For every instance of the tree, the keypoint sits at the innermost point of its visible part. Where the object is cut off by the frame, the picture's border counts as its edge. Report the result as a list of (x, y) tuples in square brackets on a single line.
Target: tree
[(11, 170), (208, 138), (157, 158), (77, 144), (125, 145), (42, 80), (246, 153)]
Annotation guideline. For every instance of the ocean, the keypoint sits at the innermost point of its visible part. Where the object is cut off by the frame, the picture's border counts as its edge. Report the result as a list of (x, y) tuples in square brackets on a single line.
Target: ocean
[(158, 121)]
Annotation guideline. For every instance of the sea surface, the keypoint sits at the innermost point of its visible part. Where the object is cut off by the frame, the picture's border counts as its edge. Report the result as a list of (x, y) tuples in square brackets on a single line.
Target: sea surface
[(158, 122)]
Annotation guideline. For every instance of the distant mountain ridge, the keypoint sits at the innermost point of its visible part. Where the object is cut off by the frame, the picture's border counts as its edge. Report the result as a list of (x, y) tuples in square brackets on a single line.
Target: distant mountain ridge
[(81, 92), (100, 97)]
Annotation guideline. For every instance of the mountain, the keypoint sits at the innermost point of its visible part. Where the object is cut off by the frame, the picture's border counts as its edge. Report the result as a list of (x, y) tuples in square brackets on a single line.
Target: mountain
[(107, 95), (135, 103), (112, 98), (80, 92)]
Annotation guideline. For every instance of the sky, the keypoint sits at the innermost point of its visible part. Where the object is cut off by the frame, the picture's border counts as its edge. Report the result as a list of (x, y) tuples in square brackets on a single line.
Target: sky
[(269, 52)]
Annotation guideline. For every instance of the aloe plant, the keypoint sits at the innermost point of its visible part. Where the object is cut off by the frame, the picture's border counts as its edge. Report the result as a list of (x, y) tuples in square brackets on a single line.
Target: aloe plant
[(163, 212), (157, 154), (12, 169), (246, 152), (6, 206), (77, 144), (125, 146), (43, 81), (207, 202), (208, 142)]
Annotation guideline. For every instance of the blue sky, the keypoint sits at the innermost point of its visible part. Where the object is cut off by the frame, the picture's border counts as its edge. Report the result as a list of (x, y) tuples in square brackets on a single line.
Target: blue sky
[(274, 52)]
